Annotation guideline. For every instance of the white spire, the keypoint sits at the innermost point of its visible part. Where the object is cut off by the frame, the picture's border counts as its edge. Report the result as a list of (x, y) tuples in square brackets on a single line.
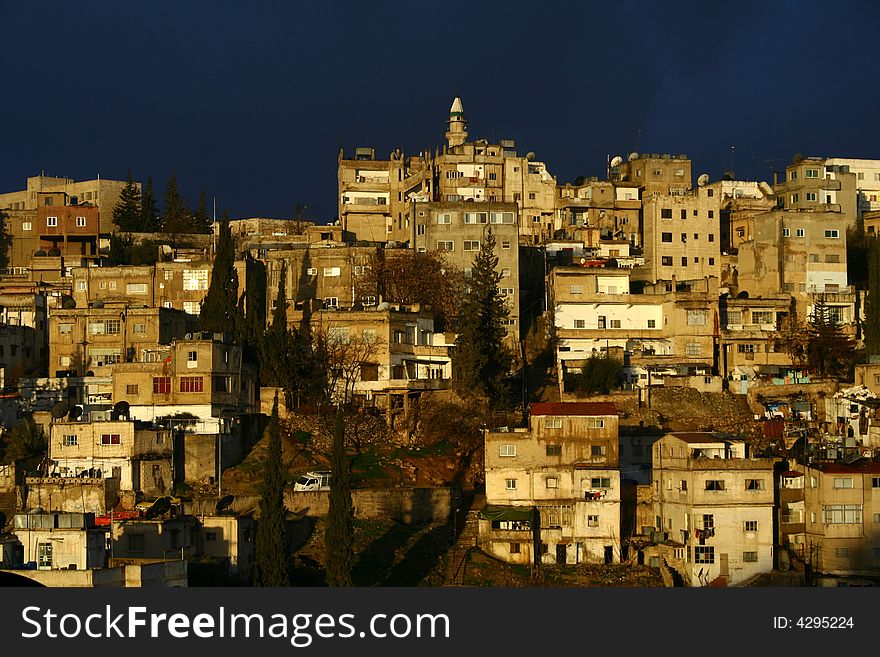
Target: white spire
[(456, 106)]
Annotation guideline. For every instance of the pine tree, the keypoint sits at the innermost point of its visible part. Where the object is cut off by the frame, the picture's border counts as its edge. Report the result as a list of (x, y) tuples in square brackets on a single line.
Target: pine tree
[(127, 214), (201, 222), (872, 302), (483, 359), (149, 213), (175, 217), (339, 537), (271, 558), (276, 341), (220, 307)]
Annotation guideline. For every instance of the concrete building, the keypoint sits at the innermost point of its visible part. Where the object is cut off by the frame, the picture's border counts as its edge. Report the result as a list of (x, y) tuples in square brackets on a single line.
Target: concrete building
[(716, 505), (564, 466), (138, 456), (680, 236), (612, 208), (654, 173), (96, 338), (661, 334), (53, 541), (46, 191), (460, 228)]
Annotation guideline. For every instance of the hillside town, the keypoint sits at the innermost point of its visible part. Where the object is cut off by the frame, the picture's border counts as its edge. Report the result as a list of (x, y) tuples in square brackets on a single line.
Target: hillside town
[(474, 375)]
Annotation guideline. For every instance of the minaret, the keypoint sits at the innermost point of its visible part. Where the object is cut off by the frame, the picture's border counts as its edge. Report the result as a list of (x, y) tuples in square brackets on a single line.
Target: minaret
[(457, 132)]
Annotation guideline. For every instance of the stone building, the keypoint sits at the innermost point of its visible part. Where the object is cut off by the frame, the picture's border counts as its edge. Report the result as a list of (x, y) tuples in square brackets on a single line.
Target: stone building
[(559, 476), (614, 208), (55, 541), (715, 505), (663, 174)]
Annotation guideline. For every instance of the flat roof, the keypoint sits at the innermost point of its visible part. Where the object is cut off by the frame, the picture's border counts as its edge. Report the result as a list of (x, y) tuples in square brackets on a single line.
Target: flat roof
[(572, 408)]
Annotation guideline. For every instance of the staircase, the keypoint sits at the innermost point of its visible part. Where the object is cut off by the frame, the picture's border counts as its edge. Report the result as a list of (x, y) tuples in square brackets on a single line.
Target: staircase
[(466, 531)]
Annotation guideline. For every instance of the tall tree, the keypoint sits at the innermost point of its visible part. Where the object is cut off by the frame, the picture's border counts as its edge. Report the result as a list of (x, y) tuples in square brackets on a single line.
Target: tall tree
[(149, 213), (220, 307), (176, 218), (829, 350), (339, 537), (872, 302), (201, 221), (271, 558), (483, 359), (127, 214)]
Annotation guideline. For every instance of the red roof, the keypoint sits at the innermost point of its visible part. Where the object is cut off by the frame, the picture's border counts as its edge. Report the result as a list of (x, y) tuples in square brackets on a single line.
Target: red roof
[(573, 408)]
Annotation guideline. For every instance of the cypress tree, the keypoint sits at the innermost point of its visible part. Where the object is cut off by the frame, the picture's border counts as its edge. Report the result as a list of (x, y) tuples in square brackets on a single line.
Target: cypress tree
[(339, 538), (483, 359), (201, 221), (149, 212), (220, 307), (175, 216), (271, 558), (127, 214), (872, 302)]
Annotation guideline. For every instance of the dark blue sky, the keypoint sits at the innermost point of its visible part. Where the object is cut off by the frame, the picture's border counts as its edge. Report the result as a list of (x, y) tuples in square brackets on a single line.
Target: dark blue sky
[(252, 101)]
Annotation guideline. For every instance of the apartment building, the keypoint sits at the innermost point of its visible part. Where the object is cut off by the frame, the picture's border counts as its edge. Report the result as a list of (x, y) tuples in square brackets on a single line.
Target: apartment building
[(716, 507), (654, 173), (802, 254), (139, 456), (46, 191), (558, 477), (24, 346), (385, 356), (661, 334), (681, 236), (53, 541), (459, 229), (83, 340), (830, 519), (614, 208)]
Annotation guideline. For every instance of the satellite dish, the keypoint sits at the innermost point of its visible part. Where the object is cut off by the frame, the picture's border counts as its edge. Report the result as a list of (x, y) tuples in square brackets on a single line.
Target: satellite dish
[(68, 302), (224, 503), (583, 261), (729, 175), (120, 409), (703, 179), (75, 413), (39, 253), (160, 507), (60, 409), (530, 156), (616, 161), (188, 336), (383, 306), (54, 252), (632, 156), (97, 304)]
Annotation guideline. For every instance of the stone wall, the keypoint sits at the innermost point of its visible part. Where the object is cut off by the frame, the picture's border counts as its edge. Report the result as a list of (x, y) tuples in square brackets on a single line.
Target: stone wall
[(72, 494)]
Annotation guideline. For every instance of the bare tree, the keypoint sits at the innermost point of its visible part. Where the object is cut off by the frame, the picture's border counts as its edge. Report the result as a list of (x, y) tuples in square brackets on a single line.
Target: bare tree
[(343, 355)]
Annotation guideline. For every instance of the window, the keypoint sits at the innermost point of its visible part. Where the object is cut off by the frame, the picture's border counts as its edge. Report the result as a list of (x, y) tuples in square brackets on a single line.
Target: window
[(832, 234), (592, 521), (600, 482), (332, 271), (684, 262), (510, 483), (666, 213), (666, 237), (580, 323), (786, 232), (26, 225), (754, 484), (44, 555), (666, 261), (505, 272), (51, 221), (811, 196), (875, 482), (110, 439), (65, 329), (575, 289), (211, 536), (420, 231), (841, 552), (597, 450), (652, 323), (505, 244), (161, 385), (684, 214), (750, 526), (194, 279), (139, 328), (136, 288), (750, 557), (554, 450), (191, 384), (111, 326), (714, 484), (471, 245), (131, 389), (70, 440), (832, 257), (553, 423), (595, 423), (692, 349), (704, 554), (843, 482), (843, 514), (514, 547), (551, 482), (508, 450), (794, 198), (80, 222), (445, 246), (811, 173), (696, 317), (711, 260), (683, 485)]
